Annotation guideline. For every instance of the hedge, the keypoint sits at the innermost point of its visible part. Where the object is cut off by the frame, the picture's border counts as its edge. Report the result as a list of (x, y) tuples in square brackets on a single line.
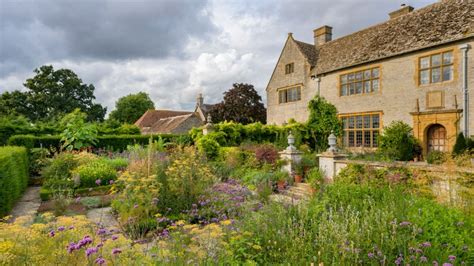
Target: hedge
[(109, 142), (13, 176)]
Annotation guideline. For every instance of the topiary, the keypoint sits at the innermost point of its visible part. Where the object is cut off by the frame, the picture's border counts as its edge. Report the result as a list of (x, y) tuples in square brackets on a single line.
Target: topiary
[(460, 145)]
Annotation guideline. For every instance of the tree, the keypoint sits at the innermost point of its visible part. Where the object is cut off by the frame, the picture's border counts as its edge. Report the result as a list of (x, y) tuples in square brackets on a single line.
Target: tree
[(241, 104), (54, 93), (131, 107), (322, 121), (13, 103)]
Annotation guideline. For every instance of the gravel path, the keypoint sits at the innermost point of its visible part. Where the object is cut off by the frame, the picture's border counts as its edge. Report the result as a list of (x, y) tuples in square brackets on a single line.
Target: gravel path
[(102, 216), (28, 204)]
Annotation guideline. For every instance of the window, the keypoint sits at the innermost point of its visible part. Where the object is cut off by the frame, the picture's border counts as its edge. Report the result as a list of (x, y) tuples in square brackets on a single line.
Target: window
[(290, 68), (436, 68), (360, 82), (361, 130), (290, 95)]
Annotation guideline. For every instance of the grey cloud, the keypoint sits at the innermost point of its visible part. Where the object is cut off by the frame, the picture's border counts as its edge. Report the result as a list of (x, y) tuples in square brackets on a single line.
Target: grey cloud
[(32, 32)]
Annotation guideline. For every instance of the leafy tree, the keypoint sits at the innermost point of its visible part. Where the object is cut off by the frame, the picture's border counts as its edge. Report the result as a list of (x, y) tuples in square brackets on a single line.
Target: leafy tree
[(53, 93), (322, 121), (397, 142), (77, 133), (461, 144), (13, 103), (129, 108), (241, 104)]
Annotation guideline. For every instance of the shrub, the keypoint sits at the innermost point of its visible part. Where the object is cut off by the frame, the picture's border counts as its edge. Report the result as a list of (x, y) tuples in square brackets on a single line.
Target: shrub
[(460, 146), (322, 121), (315, 178), (57, 175), (118, 164), (13, 176), (38, 160), (436, 157), (266, 154), (397, 142), (77, 133), (95, 171), (208, 146), (110, 142)]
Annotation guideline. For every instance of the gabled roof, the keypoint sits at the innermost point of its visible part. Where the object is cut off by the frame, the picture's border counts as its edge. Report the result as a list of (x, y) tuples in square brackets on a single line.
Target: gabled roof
[(151, 116), (203, 110), (442, 22), (169, 124)]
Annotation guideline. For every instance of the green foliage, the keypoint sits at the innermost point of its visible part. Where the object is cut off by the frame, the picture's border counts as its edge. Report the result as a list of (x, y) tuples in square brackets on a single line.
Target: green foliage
[(436, 157), (109, 142), (13, 176), (96, 170), (38, 160), (57, 175), (77, 133), (315, 178), (398, 143), (52, 93), (17, 125), (322, 121), (131, 107), (461, 144), (118, 164), (209, 146)]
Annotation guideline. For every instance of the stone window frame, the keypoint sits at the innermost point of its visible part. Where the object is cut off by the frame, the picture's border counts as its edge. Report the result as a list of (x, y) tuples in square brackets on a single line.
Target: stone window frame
[(431, 67), (416, 62), (363, 81), (289, 68), (363, 129), (284, 91)]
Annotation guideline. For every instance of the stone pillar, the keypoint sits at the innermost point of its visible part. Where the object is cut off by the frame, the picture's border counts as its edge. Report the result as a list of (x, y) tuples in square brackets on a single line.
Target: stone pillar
[(291, 155), (327, 159)]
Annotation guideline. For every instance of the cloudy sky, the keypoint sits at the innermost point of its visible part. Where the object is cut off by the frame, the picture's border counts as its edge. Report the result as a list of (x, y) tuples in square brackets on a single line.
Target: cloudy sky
[(171, 49)]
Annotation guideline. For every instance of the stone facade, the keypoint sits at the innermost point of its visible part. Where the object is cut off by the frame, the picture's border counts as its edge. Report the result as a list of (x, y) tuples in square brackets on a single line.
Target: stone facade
[(399, 97)]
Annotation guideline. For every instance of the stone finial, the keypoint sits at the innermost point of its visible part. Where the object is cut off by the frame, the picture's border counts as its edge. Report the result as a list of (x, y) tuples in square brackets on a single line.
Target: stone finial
[(209, 118), (332, 141)]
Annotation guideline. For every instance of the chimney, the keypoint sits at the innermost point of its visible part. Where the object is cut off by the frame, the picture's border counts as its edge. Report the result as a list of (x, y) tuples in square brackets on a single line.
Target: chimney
[(404, 9), (199, 100), (322, 35)]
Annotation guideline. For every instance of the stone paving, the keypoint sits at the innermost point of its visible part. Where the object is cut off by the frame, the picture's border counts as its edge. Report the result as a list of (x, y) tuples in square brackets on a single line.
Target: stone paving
[(28, 204)]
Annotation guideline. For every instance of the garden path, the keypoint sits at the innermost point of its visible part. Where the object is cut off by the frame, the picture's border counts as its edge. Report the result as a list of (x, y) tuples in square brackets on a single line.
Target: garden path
[(102, 216), (28, 204)]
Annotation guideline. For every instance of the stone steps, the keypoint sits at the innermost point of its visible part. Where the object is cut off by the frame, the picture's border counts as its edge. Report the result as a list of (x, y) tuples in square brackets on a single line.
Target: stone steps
[(294, 194)]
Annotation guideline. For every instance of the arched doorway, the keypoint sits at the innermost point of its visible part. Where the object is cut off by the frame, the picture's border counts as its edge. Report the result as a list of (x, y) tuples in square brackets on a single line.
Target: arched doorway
[(437, 138)]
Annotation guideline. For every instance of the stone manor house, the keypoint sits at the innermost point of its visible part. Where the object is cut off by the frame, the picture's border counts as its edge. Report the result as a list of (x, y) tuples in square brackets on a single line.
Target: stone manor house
[(417, 67)]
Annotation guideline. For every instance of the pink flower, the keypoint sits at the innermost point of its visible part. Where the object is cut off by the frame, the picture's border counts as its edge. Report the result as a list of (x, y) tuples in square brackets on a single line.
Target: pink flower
[(111, 182), (116, 251), (98, 181)]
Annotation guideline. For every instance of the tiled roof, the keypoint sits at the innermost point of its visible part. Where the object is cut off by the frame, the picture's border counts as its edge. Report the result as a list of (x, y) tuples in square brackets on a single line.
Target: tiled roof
[(439, 23), (169, 124), (151, 116)]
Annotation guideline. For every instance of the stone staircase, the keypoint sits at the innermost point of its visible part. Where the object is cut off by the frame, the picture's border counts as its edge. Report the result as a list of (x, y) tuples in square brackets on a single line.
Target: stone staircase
[(294, 194)]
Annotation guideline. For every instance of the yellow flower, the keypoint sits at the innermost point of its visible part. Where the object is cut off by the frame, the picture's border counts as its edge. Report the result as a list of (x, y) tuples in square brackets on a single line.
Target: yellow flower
[(256, 247), (226, 222)]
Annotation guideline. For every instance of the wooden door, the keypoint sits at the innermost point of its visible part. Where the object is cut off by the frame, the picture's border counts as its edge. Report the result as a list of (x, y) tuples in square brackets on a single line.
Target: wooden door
[(437, 138)]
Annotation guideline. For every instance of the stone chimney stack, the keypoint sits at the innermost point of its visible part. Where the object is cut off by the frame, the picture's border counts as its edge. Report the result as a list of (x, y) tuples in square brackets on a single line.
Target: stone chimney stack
[(404, 9), (199, 100), (322, 35)]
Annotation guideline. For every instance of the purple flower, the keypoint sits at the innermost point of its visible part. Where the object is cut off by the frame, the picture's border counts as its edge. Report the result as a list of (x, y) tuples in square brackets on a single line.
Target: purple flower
[(447, 264), (135, 206), (71, 247), (101, 231), (423, 259), (100, 245), (451, 258), (114, 237), (435, 263), (78, 199), (111, 182), (99, 261), (52, 233), (61, 228), (371, 255), (98, 181), (426, 244), (91, 251), (71, 227), (116, 251), (405, 223)]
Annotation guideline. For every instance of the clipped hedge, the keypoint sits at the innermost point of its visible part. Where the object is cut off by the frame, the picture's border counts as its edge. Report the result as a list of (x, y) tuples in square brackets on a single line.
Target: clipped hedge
[(109, 142), (13, 176)]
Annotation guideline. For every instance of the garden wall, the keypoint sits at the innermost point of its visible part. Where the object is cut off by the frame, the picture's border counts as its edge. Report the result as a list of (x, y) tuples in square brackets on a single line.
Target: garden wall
[(13, 176)]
